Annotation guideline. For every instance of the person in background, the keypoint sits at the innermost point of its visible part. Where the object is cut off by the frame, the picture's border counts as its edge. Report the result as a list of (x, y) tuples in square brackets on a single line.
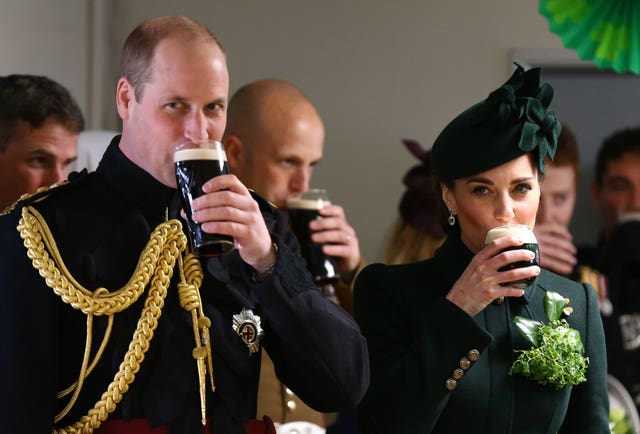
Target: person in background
[(111, 325), (558, 193), (39, 126), (273, 141), (416, 233), (441, 333), (616, 196)]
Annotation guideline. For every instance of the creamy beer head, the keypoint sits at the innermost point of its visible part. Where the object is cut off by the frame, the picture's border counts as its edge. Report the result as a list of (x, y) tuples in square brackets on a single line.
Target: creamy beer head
[(309, 204), (520, 231), (628, 216), (199, 154)]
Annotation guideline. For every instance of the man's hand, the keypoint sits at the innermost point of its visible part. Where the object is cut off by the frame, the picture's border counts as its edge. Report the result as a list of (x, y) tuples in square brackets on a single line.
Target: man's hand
[(228, 208), (557, 251), (339, 239)]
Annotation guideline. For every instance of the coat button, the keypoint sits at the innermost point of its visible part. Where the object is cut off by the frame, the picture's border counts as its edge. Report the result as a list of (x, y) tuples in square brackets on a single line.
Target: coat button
[(291, 405), (465, 364), (451, 384), (473, 355), (458, 374)]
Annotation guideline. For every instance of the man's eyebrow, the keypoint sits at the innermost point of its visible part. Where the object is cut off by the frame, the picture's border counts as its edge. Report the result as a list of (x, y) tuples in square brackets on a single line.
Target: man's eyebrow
[(42, 151)]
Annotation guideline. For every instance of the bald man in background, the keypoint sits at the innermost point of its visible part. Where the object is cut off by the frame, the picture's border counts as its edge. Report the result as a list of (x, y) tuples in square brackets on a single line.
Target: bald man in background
[(273, 141)]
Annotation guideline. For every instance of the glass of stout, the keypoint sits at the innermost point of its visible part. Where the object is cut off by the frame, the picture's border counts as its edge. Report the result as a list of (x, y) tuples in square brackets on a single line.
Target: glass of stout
[(530, 243), (302, 211), (195, 164)]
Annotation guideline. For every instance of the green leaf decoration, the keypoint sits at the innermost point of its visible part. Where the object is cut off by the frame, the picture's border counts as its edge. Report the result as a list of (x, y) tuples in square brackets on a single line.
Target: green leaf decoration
[(553, 305), (606, 32), (529, 329), (556, 355)]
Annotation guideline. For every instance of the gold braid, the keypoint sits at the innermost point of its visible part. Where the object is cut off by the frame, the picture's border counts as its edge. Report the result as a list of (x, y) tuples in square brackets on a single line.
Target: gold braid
[(155, 265), (190, 280)]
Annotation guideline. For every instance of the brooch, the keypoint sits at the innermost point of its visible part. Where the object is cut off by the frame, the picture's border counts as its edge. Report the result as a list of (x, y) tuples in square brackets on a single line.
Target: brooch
[(246, 324)]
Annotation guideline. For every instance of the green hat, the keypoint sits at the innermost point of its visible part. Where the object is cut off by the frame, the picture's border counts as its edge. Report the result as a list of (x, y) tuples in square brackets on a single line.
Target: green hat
[(512, 121)]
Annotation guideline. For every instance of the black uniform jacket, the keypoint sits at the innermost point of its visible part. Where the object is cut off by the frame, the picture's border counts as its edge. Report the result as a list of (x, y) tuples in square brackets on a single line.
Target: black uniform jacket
[(101, 222), (417, 339)]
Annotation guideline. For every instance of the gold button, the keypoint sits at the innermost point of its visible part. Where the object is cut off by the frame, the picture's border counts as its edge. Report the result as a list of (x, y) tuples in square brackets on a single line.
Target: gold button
[(465, 363), (458, 374), (473, 355), (498, 300), (288, 391), (291, 405), (451, 384)]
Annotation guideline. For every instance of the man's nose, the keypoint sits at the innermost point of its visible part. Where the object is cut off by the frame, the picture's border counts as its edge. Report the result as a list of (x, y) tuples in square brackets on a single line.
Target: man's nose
[(301, 179), (196, 127)]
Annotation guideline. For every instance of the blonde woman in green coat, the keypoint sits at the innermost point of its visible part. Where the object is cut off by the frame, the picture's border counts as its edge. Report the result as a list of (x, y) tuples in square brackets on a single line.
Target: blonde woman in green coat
[(448, 340)]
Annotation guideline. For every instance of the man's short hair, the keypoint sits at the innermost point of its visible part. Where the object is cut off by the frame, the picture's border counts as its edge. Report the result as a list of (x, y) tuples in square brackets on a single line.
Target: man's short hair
[(613, 147), (35, 100), (138, 49)]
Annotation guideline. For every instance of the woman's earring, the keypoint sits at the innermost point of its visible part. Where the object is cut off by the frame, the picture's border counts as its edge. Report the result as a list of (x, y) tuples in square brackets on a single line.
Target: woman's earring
[(452, 219)]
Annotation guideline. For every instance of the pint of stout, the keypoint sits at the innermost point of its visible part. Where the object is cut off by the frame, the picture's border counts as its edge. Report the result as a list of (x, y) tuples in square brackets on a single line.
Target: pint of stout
[(302, 211), (195, 164), (530, 243)]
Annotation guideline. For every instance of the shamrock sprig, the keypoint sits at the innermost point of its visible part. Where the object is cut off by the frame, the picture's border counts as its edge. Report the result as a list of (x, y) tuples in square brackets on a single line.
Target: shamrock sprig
[(556, 356)]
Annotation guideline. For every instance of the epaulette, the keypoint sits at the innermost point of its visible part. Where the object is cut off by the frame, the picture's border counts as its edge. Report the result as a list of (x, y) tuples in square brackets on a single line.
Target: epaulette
[(264, 204), (44, 192), (600, 283)]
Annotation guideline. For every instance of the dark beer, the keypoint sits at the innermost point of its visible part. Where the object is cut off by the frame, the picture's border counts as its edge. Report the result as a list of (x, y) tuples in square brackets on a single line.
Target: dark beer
[(194, 167), (302, 211), (530, 243)]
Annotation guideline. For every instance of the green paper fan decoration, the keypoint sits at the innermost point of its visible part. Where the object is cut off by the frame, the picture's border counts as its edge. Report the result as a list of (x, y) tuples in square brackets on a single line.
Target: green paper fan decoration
[(604, 31)]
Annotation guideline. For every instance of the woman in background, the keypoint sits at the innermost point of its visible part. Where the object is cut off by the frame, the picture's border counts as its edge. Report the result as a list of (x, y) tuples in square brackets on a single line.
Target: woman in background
[(416, 233)]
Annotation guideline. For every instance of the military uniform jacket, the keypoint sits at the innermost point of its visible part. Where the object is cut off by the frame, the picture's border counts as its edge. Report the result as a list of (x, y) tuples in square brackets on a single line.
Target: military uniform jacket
[(417, 339), (101, 223)]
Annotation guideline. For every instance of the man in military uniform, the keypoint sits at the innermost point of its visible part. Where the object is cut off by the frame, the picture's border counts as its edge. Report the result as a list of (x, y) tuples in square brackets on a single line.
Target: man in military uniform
[(104, 328)]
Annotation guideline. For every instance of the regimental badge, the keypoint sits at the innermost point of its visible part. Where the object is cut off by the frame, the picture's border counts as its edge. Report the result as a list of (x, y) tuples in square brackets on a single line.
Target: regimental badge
[(247, 325)]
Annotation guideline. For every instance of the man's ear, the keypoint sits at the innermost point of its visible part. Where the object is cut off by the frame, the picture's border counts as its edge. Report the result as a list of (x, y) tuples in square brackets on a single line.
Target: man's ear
[(125, 97), (234, 148)]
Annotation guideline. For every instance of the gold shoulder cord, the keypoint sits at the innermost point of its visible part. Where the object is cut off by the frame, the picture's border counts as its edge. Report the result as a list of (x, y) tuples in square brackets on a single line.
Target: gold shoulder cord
[(154, 268)]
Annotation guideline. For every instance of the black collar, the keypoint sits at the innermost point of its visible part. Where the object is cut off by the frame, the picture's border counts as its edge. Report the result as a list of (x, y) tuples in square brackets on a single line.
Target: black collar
[(133, 184)]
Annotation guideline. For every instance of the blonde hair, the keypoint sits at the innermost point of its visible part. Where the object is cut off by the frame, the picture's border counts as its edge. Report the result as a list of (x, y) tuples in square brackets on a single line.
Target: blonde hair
[(406, 244)]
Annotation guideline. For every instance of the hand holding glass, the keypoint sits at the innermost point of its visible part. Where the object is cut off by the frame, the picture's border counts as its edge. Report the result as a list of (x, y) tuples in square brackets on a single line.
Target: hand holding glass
[(195, 164), (301, 212), (530, 243)]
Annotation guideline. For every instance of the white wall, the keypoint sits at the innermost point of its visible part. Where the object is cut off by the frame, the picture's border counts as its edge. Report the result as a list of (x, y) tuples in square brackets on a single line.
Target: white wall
[(377, 71), (46, 38)]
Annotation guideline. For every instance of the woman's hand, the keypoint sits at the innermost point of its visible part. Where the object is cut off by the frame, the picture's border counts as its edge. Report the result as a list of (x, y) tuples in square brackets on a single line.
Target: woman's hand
[(480, 282)]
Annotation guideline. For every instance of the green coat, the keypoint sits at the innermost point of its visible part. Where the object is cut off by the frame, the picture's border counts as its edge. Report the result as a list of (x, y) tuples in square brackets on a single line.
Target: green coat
[(417, 339)]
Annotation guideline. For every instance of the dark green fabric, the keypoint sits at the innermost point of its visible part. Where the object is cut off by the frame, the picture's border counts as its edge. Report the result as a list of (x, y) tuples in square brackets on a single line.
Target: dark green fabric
[(514, 120), (416, 339)]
